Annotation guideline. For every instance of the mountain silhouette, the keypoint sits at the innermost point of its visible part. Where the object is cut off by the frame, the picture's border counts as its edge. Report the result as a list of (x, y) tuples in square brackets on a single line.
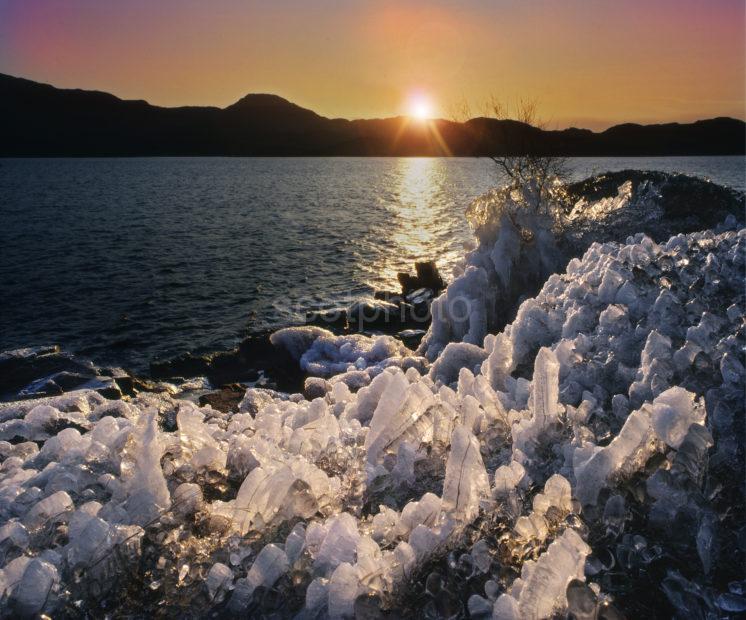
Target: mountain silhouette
[(41, 120)]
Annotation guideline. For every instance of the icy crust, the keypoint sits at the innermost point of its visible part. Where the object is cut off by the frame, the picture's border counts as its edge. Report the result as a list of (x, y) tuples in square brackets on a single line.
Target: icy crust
[(517, 476)]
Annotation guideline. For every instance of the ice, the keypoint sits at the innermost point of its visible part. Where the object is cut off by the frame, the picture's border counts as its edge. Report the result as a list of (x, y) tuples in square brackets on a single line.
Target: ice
[(340, 544), (543, 583), (269, 565), (343, 587), (508, 478), (297, 340), (454, 357), (400, 407), (656, 369), (557, 494), (423, 512), (482, 557), (196, 441), (295, 543), (14, 533), (329, 354), (581, 600), (219, 580), (35, 591), (479, 607), (614, 515), (499, 362), (52, 508), (317, 594), (466, 482), (403, 472), (41, 417), (423, 541), (254, 400), (627, 452), (145, 486), (187, 499), (88, 544), (280, 491), (674, 411), (544, 403)]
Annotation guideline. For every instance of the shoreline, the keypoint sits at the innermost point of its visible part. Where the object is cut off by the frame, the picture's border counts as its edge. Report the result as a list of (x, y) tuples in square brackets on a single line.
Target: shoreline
[(566, 448)]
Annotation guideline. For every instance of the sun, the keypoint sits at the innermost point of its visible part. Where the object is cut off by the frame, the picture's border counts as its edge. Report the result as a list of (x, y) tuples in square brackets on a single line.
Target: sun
[(420, 107)]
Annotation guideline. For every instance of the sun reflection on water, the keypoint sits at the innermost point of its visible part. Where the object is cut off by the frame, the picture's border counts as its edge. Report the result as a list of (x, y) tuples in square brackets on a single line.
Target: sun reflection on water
[(418, 211)]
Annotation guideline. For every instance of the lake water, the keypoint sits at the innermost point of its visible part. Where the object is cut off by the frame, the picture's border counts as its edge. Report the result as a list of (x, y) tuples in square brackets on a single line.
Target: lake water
[(127, 260)]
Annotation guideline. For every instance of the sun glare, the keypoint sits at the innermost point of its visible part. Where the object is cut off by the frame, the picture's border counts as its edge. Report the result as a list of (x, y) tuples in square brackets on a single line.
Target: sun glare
[(420, 107)]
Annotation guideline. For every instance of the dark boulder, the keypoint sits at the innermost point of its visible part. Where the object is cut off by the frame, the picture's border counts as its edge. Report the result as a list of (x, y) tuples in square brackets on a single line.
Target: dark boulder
[(376, 314), (226, 399), (253, 356), (427, 276), (48, 371), (411, 338), (328, 319), (20, 368)]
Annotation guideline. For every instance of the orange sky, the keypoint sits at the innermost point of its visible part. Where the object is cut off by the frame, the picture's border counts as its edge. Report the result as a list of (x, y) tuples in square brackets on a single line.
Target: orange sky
[(587, 63)]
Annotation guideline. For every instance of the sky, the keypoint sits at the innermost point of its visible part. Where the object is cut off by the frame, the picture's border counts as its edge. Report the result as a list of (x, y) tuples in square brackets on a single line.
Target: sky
[(586, 63)]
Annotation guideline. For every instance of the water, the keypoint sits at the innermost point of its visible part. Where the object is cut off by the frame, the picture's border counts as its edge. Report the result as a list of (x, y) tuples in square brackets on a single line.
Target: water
[(128, 260)]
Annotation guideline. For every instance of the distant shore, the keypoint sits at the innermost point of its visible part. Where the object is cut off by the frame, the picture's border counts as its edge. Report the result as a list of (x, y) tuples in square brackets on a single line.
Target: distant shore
[(40, 120)]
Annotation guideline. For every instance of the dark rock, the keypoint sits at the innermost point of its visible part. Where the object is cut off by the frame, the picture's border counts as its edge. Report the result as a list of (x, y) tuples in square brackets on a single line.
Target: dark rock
[(375, 314), (68, 381), (408, 282), (47, 388), (328, 319), (427, 277), (20, 368), (394, 298), (278, 364), (185, 365), (254, 354), (315, 387), (131, 386), (411, 337), (110, 391), (226, 399)]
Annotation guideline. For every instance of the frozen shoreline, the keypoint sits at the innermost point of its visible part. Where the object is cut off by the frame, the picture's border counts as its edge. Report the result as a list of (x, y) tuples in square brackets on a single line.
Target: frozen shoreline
[(511, 473)]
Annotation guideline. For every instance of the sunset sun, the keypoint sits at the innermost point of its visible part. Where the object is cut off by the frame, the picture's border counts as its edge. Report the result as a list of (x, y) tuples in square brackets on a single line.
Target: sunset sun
[(420, 107)]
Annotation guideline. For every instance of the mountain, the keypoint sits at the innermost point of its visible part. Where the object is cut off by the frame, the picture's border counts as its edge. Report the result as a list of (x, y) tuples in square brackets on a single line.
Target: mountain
[(41, 120)]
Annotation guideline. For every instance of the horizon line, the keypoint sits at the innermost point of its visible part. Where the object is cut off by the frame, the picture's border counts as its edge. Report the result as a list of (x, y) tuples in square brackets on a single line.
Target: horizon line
[(434, 119)]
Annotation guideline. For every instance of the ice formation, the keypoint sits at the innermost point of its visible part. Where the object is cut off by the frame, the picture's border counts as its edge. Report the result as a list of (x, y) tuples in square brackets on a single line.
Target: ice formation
[(513, 475)]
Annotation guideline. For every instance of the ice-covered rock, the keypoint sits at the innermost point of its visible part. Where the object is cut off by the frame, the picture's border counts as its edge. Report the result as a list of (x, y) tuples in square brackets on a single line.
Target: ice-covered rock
[(466, 482), (544, 403), (339, 545), (401, 406), (145, 484), (541, 590), (219, 580), (35, 591), (453, 358), (595, 467)]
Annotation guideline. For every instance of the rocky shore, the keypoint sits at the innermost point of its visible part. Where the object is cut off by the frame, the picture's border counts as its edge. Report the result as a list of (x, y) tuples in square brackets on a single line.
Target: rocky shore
[(220, 378), (571, 457)]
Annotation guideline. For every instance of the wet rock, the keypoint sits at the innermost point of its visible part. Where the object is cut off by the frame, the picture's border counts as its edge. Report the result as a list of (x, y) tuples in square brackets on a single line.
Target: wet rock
[(328, 319), (47, 371), (427, 276), (376, 314), (255, 355), (226, 399), (411, 337)]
